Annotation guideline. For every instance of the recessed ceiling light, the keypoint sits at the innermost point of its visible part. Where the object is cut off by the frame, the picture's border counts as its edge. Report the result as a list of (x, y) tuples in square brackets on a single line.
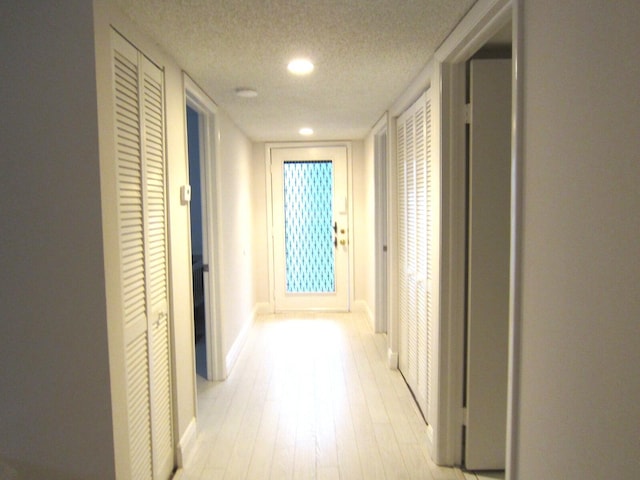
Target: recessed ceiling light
[(246, 92), (300, 66), (306, 131)]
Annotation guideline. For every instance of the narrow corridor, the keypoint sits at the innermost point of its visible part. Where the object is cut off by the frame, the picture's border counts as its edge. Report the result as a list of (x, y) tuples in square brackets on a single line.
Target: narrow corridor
[(312, 397)]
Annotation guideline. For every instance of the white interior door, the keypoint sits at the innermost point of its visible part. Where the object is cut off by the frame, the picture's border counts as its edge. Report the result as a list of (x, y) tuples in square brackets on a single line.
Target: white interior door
[(488, 264), (141, 183), (310, 228), (415, 248), (156, 264)]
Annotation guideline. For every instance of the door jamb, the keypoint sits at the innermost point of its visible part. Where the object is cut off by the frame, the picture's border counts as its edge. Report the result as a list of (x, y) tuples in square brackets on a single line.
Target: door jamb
[(473, 32), (381, 156), (209, 134)]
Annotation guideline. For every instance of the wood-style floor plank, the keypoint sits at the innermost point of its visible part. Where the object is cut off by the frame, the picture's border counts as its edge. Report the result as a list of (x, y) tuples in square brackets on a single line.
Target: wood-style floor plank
[(311, 397)]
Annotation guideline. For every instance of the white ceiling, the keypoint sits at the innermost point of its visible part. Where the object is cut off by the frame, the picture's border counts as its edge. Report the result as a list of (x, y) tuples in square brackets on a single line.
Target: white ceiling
[(366, 52)]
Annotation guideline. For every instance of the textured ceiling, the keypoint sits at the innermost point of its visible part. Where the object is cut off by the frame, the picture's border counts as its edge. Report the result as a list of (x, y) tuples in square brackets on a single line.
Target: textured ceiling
[(366, 52)]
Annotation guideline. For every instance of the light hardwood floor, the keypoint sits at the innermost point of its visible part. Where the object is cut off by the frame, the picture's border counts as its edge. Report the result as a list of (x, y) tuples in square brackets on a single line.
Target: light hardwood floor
[(311, 397)]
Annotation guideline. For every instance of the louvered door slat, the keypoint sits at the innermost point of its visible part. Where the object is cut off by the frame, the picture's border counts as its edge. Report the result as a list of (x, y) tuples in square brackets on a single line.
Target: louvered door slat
[(141, 176), (413, 230), (421, 258), (411, 370), (402, 245), (132, 267), (138, 408), (156, 258), (430, 256)]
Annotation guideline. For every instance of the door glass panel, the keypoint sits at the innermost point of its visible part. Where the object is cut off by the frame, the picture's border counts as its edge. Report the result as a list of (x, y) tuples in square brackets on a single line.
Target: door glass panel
[(308, 218)]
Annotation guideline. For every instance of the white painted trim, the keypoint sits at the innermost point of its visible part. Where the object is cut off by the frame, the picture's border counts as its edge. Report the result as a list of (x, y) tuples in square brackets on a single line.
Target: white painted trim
[(187, 444), (268, 148), (483, 20), (392, 241), (381, 231), (430, 433), (515, 293), (212, 236), (362, 306), (392, 359), (448, 431), (236, 348), (413, 91), (262, 308), (269, 212), (352, 285)]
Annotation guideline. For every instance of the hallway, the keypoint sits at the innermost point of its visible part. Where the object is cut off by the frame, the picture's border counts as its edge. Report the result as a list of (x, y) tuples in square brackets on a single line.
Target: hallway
[(311, 397)]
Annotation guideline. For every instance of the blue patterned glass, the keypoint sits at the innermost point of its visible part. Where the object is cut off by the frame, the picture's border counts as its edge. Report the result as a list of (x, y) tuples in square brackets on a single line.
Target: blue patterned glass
[(308, 230)]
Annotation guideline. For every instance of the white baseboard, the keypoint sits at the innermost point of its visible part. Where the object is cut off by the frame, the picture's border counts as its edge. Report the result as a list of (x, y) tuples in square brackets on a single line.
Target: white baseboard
[(236, 348), (430, 444), (392, 359), (363, 307), (262, 308), (187, 444)]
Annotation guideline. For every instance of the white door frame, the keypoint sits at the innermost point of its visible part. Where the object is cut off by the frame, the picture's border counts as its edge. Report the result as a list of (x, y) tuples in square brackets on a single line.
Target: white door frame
[(210, 184), (485, 19), (446, 73), (269, 195), (381, 155)]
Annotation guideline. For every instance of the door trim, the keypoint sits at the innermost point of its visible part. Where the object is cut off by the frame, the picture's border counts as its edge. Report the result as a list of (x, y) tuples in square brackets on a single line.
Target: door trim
[(381, 157), (207, 111), (483, 21), (269, 206)]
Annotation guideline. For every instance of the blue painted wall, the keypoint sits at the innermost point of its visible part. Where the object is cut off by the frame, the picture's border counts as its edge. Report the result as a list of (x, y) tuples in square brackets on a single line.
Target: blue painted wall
[(194, 181)]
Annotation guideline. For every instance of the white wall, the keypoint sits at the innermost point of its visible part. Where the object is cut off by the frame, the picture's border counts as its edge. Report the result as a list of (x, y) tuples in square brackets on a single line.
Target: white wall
[(55, 406), (578, 396), (236, 223), (361, 238), (260, 230), (365, 232)]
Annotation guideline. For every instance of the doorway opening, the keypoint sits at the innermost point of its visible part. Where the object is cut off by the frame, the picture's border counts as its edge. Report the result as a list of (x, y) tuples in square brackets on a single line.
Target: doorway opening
[(197, 264), (200, 114), (488, 207), (478, 192)]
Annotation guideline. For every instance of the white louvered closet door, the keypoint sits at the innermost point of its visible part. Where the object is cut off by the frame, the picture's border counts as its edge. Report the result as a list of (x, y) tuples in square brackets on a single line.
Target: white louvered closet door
[(414, 305), (140, 158), (156, 262)]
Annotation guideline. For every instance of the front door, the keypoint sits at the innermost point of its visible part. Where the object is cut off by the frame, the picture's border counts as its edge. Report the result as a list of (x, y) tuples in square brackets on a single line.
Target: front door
[(310, 228)]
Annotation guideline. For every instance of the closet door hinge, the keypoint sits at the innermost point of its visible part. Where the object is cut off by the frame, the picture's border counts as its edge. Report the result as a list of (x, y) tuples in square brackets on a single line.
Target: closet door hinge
[(467, 113)]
